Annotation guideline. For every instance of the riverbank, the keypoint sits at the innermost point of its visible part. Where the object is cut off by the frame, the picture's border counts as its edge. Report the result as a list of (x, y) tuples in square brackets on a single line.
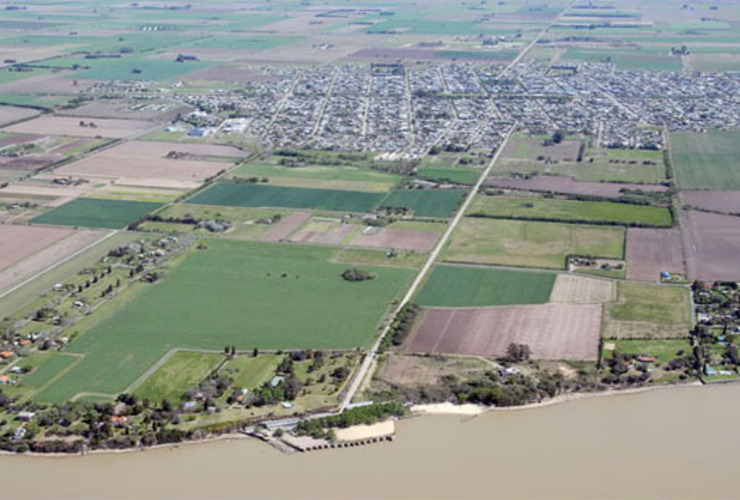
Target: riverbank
[(432, 409)]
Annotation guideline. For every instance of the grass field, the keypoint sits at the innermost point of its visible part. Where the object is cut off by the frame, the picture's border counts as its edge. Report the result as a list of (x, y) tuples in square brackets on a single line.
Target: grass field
[(648, 312), (569, 210), (531, 244), (183, 371), (96, 213), (51, 366), (706, 161), (249, 373), (455, 175), (233, 293), (458, 286), (321, 176), (426, 202), (134, 68), (256, 195), (664, 350)]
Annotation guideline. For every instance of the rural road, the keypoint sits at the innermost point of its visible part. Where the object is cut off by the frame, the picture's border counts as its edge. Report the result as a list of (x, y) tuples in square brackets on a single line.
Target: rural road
[(372, 354)]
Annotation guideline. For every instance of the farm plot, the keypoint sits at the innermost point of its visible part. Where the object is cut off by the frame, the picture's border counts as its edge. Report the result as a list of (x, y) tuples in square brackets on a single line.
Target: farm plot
[(11, 114), (555, 209), (651, 252), (531, 244), (36, 261), (232, 293), (255, 195), (71, 126), (90, 212), (552, 331), (712, 244), (570, 289), (320, 176), (401, 239), (469, 286), (326, 232), (532, 149), (426, 202), (148, 164), (706, 161), (644, 311), (286, 226), (715, 201), (566, 185), (20, 242)]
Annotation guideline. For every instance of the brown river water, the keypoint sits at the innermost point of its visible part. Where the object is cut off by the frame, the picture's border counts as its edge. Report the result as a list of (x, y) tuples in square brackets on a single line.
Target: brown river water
[(672, 443)]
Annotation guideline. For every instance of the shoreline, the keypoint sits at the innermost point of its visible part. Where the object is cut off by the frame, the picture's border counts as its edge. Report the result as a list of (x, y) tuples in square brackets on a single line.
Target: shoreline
[(427, 410)]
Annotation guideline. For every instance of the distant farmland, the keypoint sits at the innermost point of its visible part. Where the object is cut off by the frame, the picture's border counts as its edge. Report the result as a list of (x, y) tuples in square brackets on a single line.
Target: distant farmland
[(569, 210), (459, 286), (89, 212), (248, 295), (255, 195), (706, 161), (426, 202)]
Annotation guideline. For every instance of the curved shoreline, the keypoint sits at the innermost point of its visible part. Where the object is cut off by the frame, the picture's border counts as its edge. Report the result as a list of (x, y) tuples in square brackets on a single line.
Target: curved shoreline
[(442, 409)]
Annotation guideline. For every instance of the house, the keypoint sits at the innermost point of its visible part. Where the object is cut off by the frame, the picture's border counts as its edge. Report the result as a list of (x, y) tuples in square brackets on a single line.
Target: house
[(276, 381), (646, 359), (25, 416), (119, 420), (20, 433), (4, 379), (6, 354)]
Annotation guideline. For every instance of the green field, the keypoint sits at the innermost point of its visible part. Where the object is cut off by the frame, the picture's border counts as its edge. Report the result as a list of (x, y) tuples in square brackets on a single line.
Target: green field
[(426, 202), (321, 176), (457, 286), (257, 195), (455, 175), (555, 209), (644, 311), (706, 161), (249, 373), (531, 244), (89, 212), (133, 68), (52, 365), (183, 371), (233, 293), (664, 350)]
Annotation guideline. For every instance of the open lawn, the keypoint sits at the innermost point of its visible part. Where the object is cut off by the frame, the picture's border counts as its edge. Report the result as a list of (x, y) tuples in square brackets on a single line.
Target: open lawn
[(706, 161), (426, 202), (569, 210), (531, 244), (459, 286), (232, 293), (648, 311), (249, 372), (88, 212), (663, 350), (257, 195), (183, 371)]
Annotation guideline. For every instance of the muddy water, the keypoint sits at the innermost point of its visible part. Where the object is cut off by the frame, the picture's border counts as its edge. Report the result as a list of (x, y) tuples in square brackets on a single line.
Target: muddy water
[(678, 443)]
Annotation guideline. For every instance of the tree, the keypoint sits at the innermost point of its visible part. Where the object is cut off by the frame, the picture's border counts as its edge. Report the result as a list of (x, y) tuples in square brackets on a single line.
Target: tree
[(255, 352), (557, 137), (518, 352)]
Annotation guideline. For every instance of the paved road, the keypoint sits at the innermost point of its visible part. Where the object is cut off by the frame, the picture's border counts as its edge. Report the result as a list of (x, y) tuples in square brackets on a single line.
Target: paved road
[(367, 362)]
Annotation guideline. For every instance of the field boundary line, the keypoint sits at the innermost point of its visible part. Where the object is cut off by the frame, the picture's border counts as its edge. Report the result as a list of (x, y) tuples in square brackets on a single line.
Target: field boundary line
[(370, 356), (54, 266), (150, 371)]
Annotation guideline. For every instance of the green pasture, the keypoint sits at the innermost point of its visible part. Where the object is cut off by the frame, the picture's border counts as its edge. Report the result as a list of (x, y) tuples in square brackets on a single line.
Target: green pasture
[(97, 213), (426, 202), (459, 286), (706, 161)]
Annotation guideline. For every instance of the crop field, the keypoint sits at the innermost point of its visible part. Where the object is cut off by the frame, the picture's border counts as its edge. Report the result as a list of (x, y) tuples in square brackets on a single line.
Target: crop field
[(70, 126), (706, 161), (232, 293), (459, 175), (19, 242), (651, 252), (326, 231), (146, 164), (572, 289), (320, 176), (531, 244), (646, 311), (10, 114), (715, 201), (400, 239), (183, 371), (566, 185), (469, 286), (569, 210), (552, 331), (95, 213), (426, 202), (526, 148), (133, 68), (712, 244), (255, 195)]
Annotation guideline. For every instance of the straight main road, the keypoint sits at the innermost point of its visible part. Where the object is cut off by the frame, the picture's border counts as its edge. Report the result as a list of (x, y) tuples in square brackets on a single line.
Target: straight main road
[(373, 353)]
